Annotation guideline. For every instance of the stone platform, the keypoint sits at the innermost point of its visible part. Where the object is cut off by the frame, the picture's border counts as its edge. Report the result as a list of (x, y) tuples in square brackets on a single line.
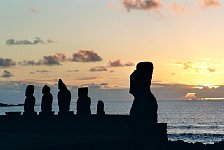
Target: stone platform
[(54, 131)]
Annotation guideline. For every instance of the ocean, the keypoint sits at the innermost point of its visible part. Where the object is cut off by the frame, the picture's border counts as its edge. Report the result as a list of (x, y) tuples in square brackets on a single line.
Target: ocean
[(191, 121)]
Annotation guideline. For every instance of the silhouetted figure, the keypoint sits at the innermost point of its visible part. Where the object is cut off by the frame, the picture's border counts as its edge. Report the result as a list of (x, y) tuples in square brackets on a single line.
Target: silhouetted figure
[(83, 102), (100, 108), (30, 99), (47, 99), (64, 97), (144, 104), (144, 107)]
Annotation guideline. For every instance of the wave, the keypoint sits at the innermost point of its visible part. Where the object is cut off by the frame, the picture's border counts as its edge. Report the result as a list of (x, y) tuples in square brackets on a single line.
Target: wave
[(10, 105), (206, 138), (196, 127), (196, 135)]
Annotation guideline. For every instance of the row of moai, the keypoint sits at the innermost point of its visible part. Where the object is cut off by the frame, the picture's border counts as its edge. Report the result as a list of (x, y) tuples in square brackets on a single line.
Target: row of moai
[(64, 100)]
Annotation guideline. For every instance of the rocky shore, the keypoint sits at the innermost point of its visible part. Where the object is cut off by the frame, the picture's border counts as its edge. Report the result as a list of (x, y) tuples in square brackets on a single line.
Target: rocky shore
[(181, 145)]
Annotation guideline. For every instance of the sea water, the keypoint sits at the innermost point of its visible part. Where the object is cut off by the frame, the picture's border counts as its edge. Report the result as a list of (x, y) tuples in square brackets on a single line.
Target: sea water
[(191, 121)]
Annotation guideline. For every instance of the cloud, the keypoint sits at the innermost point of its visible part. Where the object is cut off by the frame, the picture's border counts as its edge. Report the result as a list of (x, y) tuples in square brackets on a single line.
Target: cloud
[(117, 63), (42, 71), (61, 57), (104, 84), (166, 91), (88, 78), (7, 74), (187, 65), (85, 56), (58, 58), (37, 40), (30, 63), (95, 85), (209, 92), (54, 59), (169, 91), (98, 69), (7, 62), (141, 4), (76, 70), (198, 66), (177, 8), (34, 10), (191, 96), (129, 64), (211, 69), (211, 3), (49, 60), (50, 41)]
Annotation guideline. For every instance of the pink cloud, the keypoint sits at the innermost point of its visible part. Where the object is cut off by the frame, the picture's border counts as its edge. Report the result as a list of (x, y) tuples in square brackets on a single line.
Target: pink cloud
[(177, 8), (211, 3)]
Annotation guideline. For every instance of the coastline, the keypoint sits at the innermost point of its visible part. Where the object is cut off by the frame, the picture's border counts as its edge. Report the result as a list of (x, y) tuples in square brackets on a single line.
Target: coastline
[(77, 132)]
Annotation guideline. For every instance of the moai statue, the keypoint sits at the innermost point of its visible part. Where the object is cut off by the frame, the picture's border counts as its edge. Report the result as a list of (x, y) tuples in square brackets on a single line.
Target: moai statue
[(100, 108), (30, 100), (47, 99), (144, 104), (64, 97), (144, 107), (83, 102)]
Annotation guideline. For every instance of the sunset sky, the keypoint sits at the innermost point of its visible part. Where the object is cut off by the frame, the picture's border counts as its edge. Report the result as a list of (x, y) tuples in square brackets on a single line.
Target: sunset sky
[(99, 42)]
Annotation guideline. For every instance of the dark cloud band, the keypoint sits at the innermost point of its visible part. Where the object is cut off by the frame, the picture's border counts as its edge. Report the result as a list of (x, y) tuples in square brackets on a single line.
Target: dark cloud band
[(37, 40), (7, 62), (98, 69), (141, 4), (117, 63)]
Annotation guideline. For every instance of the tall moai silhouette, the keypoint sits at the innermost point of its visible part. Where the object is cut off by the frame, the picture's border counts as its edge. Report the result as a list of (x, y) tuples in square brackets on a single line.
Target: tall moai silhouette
[(29, 100), (64, 97), (144, 107), (83, 102), (47, 99)]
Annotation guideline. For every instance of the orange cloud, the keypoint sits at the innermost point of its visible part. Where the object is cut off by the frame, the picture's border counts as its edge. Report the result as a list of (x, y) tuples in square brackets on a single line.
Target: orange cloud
[(211, 69), (177, 8), (172, 6), (211, 3)]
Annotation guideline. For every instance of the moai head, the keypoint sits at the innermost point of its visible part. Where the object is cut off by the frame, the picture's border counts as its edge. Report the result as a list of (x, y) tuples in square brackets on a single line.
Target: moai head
[(145, 67), (61, 85), (29, 90), (46, 89), (100, 105), (83, 92)]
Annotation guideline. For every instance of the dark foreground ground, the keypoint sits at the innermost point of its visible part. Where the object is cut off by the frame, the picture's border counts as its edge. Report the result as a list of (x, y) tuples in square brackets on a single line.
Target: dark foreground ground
[(110, 132)]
